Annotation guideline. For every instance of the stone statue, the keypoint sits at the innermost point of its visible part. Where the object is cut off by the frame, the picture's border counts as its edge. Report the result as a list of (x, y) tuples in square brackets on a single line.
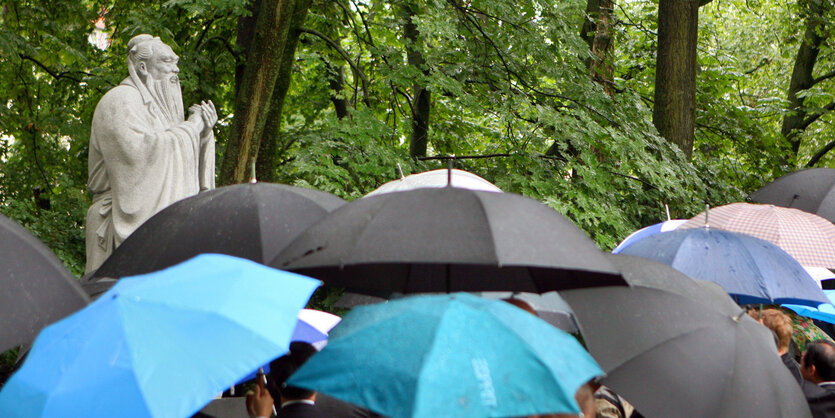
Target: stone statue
[(144, 154)]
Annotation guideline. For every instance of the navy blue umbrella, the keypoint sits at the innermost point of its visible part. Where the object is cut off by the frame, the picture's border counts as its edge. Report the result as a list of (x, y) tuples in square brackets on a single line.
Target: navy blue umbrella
[(750, 269)]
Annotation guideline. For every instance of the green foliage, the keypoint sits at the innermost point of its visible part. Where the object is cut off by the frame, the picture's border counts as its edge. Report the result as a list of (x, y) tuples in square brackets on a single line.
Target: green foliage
[(506, 78)]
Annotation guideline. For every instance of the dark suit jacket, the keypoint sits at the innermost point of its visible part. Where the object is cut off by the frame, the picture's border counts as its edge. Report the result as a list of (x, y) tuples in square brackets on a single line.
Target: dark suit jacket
[(300, 410), (821, 399)]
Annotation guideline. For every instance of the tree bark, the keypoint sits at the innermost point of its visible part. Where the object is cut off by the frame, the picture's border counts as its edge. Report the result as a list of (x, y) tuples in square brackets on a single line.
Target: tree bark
[(268, 151), (807, 56), (421, 98), (256, 85), (597, 32), (674, 112)]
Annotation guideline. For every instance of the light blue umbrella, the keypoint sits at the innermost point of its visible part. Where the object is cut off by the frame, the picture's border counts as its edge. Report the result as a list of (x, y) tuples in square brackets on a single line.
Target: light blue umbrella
[(162, 344), (824, 312), (748, 268), (454, 355)]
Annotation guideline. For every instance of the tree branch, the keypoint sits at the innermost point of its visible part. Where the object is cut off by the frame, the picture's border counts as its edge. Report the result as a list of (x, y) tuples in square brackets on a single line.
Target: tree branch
[(811, 119), (347, 58), (57, 76), (824, 77), (818, 155)]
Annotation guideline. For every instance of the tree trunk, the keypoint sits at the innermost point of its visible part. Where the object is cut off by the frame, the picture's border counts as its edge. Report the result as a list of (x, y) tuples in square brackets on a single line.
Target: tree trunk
[(268, 151), (421, 98), (259, 77), (597, 32), (675, 72), (336, 82), (807, 56)]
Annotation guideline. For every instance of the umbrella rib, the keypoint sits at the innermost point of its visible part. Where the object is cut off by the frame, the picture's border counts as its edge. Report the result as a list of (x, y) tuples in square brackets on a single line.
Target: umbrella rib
[(662, 342), (489, 229)]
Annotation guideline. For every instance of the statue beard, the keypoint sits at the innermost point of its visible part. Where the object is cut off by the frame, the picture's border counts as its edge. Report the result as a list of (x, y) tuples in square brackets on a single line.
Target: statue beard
[(169, 98)]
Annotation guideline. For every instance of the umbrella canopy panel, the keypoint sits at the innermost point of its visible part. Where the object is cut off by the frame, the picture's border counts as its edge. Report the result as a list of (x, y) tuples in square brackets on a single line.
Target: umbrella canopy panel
[(808, 238), (750, 269), (447, 240), (809, 190), (450, 355), (252, 221), (36, 287)]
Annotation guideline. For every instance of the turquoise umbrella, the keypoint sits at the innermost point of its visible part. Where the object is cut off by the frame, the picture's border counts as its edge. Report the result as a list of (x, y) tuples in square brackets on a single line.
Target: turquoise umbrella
[(162, 344), (453, 355)]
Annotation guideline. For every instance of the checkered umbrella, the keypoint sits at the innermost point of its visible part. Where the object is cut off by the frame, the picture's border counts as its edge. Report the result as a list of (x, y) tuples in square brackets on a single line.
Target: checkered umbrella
[(808, 238)]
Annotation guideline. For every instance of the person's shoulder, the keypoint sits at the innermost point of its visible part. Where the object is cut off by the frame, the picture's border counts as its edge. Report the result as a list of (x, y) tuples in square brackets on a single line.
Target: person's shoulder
[(301, 410)]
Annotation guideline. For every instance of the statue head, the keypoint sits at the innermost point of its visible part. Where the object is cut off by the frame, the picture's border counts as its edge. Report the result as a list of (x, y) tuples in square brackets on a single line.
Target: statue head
[(153, 68)]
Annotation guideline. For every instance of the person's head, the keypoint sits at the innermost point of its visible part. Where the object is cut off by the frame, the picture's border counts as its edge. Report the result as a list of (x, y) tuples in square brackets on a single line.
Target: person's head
[(153, 67), (818, 362), (780, 324), (283, 367)]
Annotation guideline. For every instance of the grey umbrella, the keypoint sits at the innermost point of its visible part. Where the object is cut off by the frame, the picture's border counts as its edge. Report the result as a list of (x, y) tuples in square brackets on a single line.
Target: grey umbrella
[(36, 287), (447, 240), (811, 190), (679, 347), (252, 221)]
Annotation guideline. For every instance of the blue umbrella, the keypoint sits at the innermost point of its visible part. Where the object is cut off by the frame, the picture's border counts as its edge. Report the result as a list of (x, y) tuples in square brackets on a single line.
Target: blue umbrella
[(824, 312), (453, 355), (642, 233), (160, 344), (750, 269), (313, 327)]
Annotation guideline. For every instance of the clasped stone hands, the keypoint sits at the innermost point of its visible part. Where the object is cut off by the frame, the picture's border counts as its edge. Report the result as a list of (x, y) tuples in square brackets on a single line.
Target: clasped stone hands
[(204, 116)]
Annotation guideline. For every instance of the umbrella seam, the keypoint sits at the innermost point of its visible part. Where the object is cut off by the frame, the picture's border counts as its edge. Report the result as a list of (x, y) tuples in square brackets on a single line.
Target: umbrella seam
[(489, 228)]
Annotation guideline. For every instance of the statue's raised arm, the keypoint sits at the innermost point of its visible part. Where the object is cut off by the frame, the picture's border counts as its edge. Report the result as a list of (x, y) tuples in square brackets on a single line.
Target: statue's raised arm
[(144, 154)]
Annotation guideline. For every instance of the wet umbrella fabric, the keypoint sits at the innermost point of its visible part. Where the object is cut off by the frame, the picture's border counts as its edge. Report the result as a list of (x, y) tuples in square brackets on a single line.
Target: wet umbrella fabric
[(679, 347), (642, 233), (437, 178), (750, 269), (36, 287), (808, 238), (447, 240), (252, 221), (810, 190), (452, 355), (160, 344)]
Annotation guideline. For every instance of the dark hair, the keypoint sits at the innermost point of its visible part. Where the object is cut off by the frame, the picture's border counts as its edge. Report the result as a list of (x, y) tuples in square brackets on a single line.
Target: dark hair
[(821, 354), (283, 367)]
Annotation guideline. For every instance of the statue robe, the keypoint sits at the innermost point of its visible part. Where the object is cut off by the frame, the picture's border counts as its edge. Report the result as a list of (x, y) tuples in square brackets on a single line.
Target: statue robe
[(139, 163)]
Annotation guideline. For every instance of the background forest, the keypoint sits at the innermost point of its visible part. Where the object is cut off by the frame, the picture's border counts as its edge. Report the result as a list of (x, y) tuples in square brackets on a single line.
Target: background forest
[(606, 110)]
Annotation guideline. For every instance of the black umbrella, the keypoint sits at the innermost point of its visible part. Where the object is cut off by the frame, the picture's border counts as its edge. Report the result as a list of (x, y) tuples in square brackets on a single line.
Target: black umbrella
[(253, 221), (675, 346), (811, 190), (35, 287), (447, 240)]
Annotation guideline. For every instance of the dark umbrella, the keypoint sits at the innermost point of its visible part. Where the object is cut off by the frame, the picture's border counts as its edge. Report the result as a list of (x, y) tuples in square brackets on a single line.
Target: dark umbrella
[(750, 269), (811, 190), (678, 347), (447, 240), (36, 287), (252, 221)]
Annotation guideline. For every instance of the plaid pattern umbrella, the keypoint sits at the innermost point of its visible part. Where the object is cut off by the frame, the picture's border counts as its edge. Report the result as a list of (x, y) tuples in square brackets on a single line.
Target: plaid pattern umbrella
[(808, 238)]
